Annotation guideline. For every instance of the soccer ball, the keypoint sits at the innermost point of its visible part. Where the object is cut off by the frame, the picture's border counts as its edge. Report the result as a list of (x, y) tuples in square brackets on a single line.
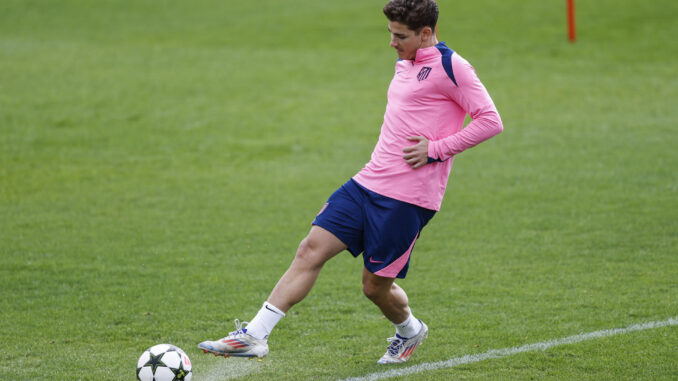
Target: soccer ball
[(164, 362)]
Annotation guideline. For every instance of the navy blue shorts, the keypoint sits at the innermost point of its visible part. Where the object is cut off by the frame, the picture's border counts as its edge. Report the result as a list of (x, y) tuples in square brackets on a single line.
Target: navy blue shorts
[(382, 228)]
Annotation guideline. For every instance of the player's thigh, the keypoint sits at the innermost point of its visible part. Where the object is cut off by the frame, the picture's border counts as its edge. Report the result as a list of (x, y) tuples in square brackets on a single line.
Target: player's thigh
[(320, 245)]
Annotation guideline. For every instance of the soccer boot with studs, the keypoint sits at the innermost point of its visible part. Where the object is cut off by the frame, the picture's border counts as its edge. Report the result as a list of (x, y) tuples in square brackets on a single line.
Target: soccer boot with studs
[(238, 343), (401, 348)]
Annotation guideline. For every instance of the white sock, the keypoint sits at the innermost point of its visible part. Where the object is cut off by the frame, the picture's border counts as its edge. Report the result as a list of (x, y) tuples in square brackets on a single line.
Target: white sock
[(262, 324), (409, 328)]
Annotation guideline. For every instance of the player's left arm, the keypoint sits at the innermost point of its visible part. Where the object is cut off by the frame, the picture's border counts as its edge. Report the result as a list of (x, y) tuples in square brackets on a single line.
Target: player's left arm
[(473, 98)]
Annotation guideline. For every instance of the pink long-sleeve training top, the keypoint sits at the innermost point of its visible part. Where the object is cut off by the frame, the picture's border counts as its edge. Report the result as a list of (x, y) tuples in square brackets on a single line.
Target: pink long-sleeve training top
[(429, 97)]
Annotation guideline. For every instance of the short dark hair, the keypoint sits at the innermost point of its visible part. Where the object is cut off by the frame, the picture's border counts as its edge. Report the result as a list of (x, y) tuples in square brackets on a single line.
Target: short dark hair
[(416, 14)]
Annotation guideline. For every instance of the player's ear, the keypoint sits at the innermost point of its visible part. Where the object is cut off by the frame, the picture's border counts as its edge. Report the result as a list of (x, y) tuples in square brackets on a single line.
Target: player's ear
[(427, 32)]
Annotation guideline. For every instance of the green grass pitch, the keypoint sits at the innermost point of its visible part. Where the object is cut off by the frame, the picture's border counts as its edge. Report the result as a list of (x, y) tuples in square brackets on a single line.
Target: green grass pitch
[(160, 161)]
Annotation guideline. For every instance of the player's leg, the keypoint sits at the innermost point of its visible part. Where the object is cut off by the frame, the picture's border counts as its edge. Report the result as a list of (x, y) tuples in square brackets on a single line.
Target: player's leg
[(393, 228), (387, 295), (338, 224), (393, 303), (316, 249)]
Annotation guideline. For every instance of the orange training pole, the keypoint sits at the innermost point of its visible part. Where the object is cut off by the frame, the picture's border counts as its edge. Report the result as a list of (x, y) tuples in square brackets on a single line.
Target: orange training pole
[(571, 28)]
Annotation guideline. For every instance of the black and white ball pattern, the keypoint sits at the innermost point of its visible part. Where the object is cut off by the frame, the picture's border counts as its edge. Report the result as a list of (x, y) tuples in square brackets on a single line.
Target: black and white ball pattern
[(164, 362)]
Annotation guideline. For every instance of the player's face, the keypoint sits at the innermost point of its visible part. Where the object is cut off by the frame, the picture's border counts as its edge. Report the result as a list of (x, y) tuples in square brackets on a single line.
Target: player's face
[(404, 40)]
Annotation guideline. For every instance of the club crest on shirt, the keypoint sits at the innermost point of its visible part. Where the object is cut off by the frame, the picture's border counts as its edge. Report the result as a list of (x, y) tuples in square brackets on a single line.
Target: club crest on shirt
[(423, 73)]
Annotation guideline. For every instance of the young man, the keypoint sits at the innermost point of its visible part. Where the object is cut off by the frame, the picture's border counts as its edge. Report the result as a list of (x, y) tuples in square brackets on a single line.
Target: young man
[(382, 209)]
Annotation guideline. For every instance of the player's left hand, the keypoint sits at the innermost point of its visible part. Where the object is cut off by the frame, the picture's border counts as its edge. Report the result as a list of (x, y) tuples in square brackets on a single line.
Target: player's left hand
[(417, 155)]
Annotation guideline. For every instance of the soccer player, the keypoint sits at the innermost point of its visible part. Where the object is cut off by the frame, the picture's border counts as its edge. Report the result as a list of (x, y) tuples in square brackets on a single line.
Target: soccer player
[(383, 208)]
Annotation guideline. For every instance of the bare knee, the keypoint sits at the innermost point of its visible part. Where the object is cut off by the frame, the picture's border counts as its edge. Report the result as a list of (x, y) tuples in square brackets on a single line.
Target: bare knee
[(375, 290), (309, 254), (371, 292)]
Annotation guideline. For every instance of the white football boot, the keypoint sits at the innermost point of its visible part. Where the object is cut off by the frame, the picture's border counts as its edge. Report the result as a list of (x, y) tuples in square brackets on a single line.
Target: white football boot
[(238, 343), (402, 348)]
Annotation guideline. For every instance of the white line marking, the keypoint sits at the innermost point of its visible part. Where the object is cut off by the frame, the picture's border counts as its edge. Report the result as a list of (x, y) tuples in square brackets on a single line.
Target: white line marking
[(497, 353)]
